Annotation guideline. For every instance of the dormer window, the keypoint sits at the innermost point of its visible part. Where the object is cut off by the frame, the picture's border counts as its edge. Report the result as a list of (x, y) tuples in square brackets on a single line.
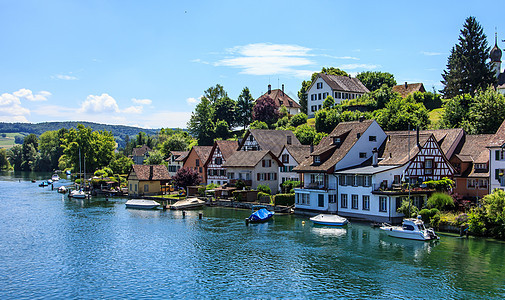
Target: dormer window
[(336, 141), (480, 166), (317, 159), (280, 102)]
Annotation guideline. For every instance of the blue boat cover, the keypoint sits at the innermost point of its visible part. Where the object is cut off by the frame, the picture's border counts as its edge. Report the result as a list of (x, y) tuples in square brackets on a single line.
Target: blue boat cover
[(261, 215)]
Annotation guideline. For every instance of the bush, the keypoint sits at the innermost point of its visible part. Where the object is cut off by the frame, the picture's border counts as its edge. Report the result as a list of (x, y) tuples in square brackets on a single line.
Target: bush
[(264, 197), (428, 214), (284, 199), (264, 188), (461, 219), (201, 191), (404, 209), (240, 184), (289, 185), (442, 185), (237, 196), (439, 201)]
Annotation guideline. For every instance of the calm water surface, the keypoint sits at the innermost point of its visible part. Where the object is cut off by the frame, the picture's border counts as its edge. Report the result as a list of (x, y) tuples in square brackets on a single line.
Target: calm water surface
[(53, 247)]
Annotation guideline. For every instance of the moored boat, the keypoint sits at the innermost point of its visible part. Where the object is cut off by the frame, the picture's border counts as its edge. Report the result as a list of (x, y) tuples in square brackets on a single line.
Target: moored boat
[(62, 189), (78, 194), (141, 204), (260, 214), (55, 177), (412, 229), (330, 220), (45, 183), (187, 204)]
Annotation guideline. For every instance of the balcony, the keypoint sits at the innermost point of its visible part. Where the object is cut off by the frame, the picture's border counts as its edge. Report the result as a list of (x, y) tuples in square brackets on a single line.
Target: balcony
[(399, 189)]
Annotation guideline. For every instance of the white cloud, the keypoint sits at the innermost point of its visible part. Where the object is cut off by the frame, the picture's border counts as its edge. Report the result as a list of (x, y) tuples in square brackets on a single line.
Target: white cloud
[(268, 59), (28, 95), (359, 66), (133, 110), (142, 101), (11, 109), (193, 101), (427, 53), (197, 60), (341, 57), (99, 104), (64, 77)]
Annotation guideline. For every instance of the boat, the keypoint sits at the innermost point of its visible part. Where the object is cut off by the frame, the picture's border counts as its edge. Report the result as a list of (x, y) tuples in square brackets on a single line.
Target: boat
[(55, 177), (330, 220), (141, 204), (259, 214), (67, 172), (78, 194), (412, 229), (44, 183), (62, 189), (50, 181), (187, 204)]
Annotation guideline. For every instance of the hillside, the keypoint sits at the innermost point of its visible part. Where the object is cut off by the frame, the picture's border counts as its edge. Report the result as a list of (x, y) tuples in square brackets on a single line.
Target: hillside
[(119, 131)]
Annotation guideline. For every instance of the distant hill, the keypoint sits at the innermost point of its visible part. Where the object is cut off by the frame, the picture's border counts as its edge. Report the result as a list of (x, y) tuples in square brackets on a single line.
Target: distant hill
[(119, 131)]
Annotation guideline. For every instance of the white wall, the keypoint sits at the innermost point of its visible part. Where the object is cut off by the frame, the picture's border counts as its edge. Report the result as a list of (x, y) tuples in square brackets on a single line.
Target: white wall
[(315, 91), (494, 165)]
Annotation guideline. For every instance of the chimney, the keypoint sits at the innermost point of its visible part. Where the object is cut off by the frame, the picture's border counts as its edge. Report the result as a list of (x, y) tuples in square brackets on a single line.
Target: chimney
[(349, 75), (151, 172), (283, 89), (406, 85), (375, 157), (269, 89), (361, 118), (311, 148), (417, 133)]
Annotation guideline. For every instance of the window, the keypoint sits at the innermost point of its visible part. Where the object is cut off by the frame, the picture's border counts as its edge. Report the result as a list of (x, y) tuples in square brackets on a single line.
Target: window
[(471, 183), (319, 96), (131, 189), (498, 155), (342, 179), (343, 200), (360, 180), (480, 166), (285, 158), (200, 170), (319, 85), (197, 162), (372, 138), (336, 140), (368, 181), (383, 204), (428, 167), (317, 159), (135, 187), (320, 200), (350, 180), (146, 188), (266, 163), (366, 202), (338, 95), (396, 179), (231, 175), (332, 198), (362, 155), (354, 201), (318, 107), (218, 161)]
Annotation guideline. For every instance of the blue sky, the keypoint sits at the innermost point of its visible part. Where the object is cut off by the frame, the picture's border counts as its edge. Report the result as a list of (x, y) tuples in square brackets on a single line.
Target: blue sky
[(146, 63)]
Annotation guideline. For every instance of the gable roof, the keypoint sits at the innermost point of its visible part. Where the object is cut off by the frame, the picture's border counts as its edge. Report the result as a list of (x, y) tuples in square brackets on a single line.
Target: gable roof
[(140, 151), (343, 83), (498, 138), (397, 149), (474, 148), (248, 159), (143, 172), (280, 98), (202, 152), (446, 138), (348, 131), (181, 155), (272, 140), (408, 88), (298, 152), (227, 149)]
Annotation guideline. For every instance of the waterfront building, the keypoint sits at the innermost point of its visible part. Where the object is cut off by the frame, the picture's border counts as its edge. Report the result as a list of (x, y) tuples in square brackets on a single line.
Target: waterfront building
[(144, 180), (291, 156), (495, 56), (140, 154), (175, 161), (220, 152), (282, 99), (196, 159), (339, 87), (496, 148)]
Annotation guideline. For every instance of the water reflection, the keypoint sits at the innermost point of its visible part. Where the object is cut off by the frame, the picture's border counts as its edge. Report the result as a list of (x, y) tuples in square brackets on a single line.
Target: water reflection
[(328, 231)]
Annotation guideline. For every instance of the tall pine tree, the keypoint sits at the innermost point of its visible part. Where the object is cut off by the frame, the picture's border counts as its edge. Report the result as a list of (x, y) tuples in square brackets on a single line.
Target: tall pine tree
[(468, 68), (244, 108)]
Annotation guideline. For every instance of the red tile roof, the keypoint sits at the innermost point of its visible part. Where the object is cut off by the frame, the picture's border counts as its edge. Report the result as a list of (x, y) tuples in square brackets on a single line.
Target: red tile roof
[(343, 83), (280, 98), (143, 172), (498, 138), (406, 89)]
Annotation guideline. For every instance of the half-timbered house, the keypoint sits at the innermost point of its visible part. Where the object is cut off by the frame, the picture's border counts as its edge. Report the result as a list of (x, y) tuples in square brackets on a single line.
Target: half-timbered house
[(220, 152)]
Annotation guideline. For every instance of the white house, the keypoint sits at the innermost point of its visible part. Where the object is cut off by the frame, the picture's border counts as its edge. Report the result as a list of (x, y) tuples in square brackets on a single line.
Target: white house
[(221, 151), (175, 161), (497, 159), (339, 87), (291, 156)]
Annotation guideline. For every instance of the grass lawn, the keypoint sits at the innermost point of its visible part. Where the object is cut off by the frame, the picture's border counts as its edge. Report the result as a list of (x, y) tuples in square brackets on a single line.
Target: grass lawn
[(8, 140), (435, 117)]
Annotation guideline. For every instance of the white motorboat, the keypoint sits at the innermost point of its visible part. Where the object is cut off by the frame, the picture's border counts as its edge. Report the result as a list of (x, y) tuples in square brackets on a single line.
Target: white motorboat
[(412, 229), (78, 194), (62, 189), (188, 204), (142, 204), (55, 177), (331, 220)]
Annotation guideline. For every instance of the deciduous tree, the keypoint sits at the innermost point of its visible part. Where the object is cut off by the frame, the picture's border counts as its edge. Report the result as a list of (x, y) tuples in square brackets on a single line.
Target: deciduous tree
[(265, 111), (186, 177), (374, 80), (244, 108)]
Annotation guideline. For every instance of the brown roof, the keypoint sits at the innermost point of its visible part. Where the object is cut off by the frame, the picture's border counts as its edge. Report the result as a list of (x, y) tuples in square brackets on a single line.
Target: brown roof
[(140, 151), (446, 138), (281, 98), (474, 150), (143, 172), (348, 132), (272, 140), (203, 152), (406, 89), (343, 83), (247, 159), (299, 152), (181, 155), (498, 138), (227, 149), (397, 149)]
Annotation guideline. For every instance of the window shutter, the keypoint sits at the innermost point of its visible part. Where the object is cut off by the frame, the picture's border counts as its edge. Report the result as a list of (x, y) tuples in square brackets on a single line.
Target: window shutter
[(497, 155), (275, 176), (263, 163), (258, 176), (497, 174)]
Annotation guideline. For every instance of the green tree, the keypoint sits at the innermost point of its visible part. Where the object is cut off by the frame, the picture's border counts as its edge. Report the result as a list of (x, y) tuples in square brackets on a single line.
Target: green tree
[(245, 103), (215, 93), (327, 120), (224, 109), (399, 113), (176, 142), (440, 201), (51, 149), (265, 110), (319, 136), (258, 125), (329, 102), (457, 110), (305, 134), (15, 156), (121, 164), (430, 100), (200, 124), (222, 130), (467, 67), (4, 161), (30, 149), (487, 111), (374, 80), (155, 158), (298, 119)]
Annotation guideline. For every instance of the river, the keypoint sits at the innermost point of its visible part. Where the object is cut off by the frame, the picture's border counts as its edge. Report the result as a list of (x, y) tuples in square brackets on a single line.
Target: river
[(54, 248)]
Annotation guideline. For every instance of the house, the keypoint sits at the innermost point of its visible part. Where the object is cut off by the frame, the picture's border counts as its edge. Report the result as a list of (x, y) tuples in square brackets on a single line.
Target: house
[(144, 180), (471, 167), (140, 154), (495, 56), (196, 159), (496, 148), (409, 88), (175, 161), (282, 99), (291, 156), (220, 152), (349, 145), (254, 168), (339, 87), (264, 139)]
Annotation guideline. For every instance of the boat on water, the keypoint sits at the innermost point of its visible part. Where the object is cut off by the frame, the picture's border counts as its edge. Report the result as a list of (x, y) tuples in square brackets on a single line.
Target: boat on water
[(412, 229), (330, 220), (62, 189), (142, 204), (259, 214), (78, 194), (67, 172), (188, 203), (55, 177), (45, 183)]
